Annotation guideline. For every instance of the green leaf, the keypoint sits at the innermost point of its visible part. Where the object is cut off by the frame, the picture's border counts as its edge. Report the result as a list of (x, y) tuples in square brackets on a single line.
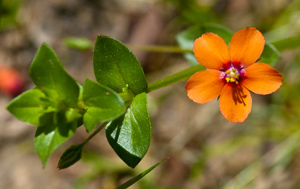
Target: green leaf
[(30, 106), (70, 156), (287, 43), (8, 13), (138, 177), (78, 43), (270, 55), (102, 104), (48, 137), (48, 74), (116, 67), (130, 134), (186, 38)]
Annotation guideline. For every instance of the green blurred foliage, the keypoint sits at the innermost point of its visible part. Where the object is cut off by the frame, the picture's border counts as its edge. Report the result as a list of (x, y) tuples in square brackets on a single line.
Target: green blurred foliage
[(8, 13), (78, 43), (190, 12)]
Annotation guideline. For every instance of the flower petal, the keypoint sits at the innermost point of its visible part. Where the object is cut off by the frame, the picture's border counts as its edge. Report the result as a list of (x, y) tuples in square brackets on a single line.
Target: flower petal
[(235, 102), (261, 78), (246, 46), (204, 86), (212, 52)]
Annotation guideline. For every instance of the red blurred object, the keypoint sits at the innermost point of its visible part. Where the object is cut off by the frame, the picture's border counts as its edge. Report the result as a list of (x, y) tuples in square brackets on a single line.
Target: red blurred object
[(11, 81)]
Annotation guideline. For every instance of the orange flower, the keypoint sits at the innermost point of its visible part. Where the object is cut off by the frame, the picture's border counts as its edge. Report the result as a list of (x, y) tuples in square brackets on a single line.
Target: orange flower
[(232, 72)]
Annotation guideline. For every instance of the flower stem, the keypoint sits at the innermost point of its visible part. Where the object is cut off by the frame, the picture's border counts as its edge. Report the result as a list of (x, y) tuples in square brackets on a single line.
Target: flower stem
[(155, 48), (180, 76), (94, 133)]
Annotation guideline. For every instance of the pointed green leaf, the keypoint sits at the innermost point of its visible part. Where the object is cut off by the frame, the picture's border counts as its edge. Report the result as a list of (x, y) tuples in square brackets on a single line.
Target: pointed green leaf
[(138, 177), (102, 104), (30, 106), (48, 74), (186, 38), (130, 134), (70, 156), (49, 137), (116, 67)]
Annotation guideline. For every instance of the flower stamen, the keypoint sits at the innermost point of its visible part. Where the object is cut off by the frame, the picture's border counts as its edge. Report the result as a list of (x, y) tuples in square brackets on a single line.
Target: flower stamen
[(232, 76)]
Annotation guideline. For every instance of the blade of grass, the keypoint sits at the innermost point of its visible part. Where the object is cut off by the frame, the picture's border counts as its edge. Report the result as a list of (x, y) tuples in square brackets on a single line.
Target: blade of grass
[(282, 154), (138, 177)]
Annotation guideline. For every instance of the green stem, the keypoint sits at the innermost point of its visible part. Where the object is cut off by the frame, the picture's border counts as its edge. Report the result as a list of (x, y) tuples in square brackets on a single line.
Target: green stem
[(180, 76), (127, 96), (154, 48), (94, 133)]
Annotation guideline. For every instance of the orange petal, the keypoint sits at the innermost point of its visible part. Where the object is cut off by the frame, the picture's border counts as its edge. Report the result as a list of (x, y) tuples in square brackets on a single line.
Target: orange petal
[(261, 78), (246, 46), (235, 102), (204, 86), (212, 52)]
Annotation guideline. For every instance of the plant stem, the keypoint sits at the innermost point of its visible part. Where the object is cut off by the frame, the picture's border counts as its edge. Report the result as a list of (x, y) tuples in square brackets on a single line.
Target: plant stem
[(180, 76), (94, 133), (154, 48), (127, 96)]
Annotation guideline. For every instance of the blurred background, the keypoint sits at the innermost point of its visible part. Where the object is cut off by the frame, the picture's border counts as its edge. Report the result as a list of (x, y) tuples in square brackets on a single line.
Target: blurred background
[(202, 148)]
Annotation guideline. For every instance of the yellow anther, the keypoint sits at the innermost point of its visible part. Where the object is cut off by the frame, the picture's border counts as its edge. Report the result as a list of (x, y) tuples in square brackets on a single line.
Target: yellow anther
[(232, 76)]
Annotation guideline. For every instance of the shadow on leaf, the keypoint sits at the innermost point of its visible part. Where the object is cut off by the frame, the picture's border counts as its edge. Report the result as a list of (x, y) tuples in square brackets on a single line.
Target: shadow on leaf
[(121, 145)]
